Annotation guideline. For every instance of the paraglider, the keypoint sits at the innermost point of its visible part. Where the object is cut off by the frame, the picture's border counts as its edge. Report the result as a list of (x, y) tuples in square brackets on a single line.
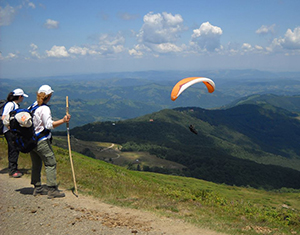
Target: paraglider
[(187, 82)]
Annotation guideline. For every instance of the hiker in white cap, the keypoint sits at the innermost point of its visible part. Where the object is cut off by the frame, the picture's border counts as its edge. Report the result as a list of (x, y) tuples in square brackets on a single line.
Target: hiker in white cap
[(13, 99), (43, 153)]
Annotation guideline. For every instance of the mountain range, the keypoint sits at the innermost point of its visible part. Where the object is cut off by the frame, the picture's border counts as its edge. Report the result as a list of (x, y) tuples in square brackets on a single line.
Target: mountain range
[(119, 96)]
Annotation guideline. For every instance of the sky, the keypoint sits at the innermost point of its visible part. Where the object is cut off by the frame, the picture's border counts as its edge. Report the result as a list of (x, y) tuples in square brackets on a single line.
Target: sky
[(40, 38)]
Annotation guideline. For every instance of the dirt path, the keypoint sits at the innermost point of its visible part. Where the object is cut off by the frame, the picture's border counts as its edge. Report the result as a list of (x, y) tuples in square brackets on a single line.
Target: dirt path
[(22, 213)]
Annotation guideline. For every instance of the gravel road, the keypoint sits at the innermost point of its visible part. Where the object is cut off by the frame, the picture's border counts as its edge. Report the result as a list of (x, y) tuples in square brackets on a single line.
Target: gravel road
[(22, 213)]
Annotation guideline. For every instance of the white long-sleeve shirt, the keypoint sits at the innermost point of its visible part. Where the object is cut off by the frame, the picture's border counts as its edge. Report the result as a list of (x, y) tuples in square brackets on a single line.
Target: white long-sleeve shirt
[(42, 119), (9, 106)]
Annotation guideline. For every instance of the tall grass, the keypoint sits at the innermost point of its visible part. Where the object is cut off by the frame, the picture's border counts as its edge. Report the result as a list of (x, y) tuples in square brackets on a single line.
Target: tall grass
[(230, 209)]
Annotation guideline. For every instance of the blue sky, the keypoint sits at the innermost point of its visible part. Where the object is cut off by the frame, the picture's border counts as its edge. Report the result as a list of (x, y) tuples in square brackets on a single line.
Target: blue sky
[(62, 37)]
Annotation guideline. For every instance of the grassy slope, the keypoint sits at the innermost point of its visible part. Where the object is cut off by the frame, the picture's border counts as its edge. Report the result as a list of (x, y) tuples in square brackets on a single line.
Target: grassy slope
[(229, 209), (110, 152)]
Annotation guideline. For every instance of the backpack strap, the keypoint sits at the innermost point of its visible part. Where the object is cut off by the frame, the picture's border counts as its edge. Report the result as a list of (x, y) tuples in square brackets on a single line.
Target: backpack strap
[(7, 103), (43, 133), (15, 106), (33, 107)]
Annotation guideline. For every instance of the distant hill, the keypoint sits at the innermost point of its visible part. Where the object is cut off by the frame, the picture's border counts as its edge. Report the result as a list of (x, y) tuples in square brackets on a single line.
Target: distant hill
[(119, 96), (243, 145), (291, 103)]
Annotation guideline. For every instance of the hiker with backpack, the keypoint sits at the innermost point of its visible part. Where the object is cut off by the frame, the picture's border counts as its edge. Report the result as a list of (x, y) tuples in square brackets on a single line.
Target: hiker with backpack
[(13, 99), (43, 152)]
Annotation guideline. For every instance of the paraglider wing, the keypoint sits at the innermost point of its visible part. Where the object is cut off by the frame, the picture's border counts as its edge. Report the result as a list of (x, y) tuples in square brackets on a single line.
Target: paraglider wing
[(187, 82)]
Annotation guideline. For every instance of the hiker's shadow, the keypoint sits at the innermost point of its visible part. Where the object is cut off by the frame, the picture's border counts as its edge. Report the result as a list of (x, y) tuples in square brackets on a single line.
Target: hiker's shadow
[(28, 190), (23, 171), (4, 171), (25, 191)]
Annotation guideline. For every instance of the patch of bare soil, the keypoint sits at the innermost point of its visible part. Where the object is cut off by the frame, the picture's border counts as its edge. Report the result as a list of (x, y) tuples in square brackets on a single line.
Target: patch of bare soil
[(22, 213)]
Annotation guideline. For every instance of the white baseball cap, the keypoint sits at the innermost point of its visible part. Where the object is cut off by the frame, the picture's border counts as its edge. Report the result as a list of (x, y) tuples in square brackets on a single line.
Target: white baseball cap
[(19, 92), (46, 89)]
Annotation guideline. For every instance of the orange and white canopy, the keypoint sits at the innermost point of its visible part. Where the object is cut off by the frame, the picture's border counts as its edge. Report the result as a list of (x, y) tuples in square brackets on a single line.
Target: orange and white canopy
[(187, 82)]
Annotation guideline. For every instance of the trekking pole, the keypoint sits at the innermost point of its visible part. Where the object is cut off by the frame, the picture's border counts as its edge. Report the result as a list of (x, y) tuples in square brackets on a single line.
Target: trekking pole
[(69, 145)]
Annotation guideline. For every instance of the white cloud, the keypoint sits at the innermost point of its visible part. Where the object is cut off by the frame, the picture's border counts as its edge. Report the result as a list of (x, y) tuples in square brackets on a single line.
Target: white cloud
[(167, 48), (159, 34), (275, 45), (109, 44), (118, 48), (207, 37), (110, 40), (207, 29), (138, 50), (264, 29), (135, 52), (11, 56), (81, 51), (290, 42), (7, 15), (259, 48), (34, 51), (78, 50), (256, 49), (51, 24), (58, 51), (246, 46), (35, 54), (291, 39), (127, 16), (32, 5), (33, 46), (160, 28)]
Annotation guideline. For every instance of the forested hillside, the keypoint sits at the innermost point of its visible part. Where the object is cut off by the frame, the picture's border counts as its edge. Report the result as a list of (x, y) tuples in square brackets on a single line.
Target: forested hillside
[(245, 145)]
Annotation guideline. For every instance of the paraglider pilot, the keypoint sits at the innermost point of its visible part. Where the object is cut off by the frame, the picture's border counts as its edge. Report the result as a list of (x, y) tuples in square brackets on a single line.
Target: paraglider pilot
[(192, 129)]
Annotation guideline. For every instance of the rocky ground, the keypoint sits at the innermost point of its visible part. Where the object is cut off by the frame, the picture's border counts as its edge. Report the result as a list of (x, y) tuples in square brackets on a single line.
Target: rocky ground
[(22, 213)]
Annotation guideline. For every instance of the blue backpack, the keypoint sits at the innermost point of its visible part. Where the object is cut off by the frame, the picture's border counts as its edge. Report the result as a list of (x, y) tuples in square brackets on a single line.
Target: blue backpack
[(22, 129)]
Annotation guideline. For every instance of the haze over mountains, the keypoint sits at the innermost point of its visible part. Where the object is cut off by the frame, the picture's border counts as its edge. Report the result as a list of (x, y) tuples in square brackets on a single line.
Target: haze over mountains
[(118, 96)]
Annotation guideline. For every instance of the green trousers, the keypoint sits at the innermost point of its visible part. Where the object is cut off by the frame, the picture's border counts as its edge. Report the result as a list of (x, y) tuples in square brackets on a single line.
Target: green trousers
[(43, 153)]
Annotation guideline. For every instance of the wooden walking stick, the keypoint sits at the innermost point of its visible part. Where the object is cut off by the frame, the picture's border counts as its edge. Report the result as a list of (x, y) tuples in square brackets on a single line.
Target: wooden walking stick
[(69, 145)]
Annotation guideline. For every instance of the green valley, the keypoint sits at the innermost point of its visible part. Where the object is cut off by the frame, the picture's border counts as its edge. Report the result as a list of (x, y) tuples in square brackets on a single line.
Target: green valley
[(244, 145)]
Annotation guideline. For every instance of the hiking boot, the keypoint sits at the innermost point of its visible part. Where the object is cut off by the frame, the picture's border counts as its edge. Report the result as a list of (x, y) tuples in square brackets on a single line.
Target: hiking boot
[(17, 174), (40, 190), (53, 192)]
